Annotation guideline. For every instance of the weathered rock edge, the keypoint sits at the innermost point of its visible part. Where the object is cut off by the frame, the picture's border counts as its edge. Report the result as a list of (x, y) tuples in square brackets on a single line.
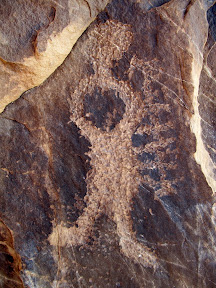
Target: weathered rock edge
[(50, 47)]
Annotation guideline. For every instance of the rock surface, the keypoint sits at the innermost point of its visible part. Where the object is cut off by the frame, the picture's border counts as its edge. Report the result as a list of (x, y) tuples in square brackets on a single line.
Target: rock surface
[(44, 33), (107, 168)]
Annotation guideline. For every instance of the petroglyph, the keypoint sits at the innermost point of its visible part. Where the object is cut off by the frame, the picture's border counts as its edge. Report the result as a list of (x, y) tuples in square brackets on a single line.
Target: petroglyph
[(116, 151)]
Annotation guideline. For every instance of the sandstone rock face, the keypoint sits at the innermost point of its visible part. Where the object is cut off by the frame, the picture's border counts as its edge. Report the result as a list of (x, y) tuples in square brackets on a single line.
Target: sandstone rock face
[(10, 261), (206, 104), (107, 168), (36, 37)]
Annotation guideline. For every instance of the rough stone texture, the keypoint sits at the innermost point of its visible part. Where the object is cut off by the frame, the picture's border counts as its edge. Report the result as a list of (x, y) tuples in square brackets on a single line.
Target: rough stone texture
[(10, 262), (204, 117), (206, 99), (100, 182), (35, 38)]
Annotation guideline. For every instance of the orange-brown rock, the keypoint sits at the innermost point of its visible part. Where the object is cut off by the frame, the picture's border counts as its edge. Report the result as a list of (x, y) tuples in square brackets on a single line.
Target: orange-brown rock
[(36, 37), (10, 262)]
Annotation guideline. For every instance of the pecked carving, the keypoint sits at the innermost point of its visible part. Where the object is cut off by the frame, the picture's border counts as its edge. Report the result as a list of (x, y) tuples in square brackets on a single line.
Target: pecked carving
[(100, 158)]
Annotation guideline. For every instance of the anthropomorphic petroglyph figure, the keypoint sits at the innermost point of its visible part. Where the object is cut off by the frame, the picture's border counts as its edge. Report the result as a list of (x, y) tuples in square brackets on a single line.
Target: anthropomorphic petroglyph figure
[(120, 123)]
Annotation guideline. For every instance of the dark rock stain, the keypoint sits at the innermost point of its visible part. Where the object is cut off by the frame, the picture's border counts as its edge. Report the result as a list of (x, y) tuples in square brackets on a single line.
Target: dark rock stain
[(90, 69), (69, 164), (152, 224), (28, 167), (102, 17), (171, 157), (141, 139), (104, 109), (154, 173), (146, 157), (211, 17), (164, 223), (122, 10), (158, 95), (136, 80), (163, 116), (121, 67), (169, 133), (171, 174), (146, 120), (158, 3)]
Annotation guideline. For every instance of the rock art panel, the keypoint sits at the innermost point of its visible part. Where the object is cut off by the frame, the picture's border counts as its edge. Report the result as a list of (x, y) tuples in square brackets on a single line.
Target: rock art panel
[(99, 160)]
